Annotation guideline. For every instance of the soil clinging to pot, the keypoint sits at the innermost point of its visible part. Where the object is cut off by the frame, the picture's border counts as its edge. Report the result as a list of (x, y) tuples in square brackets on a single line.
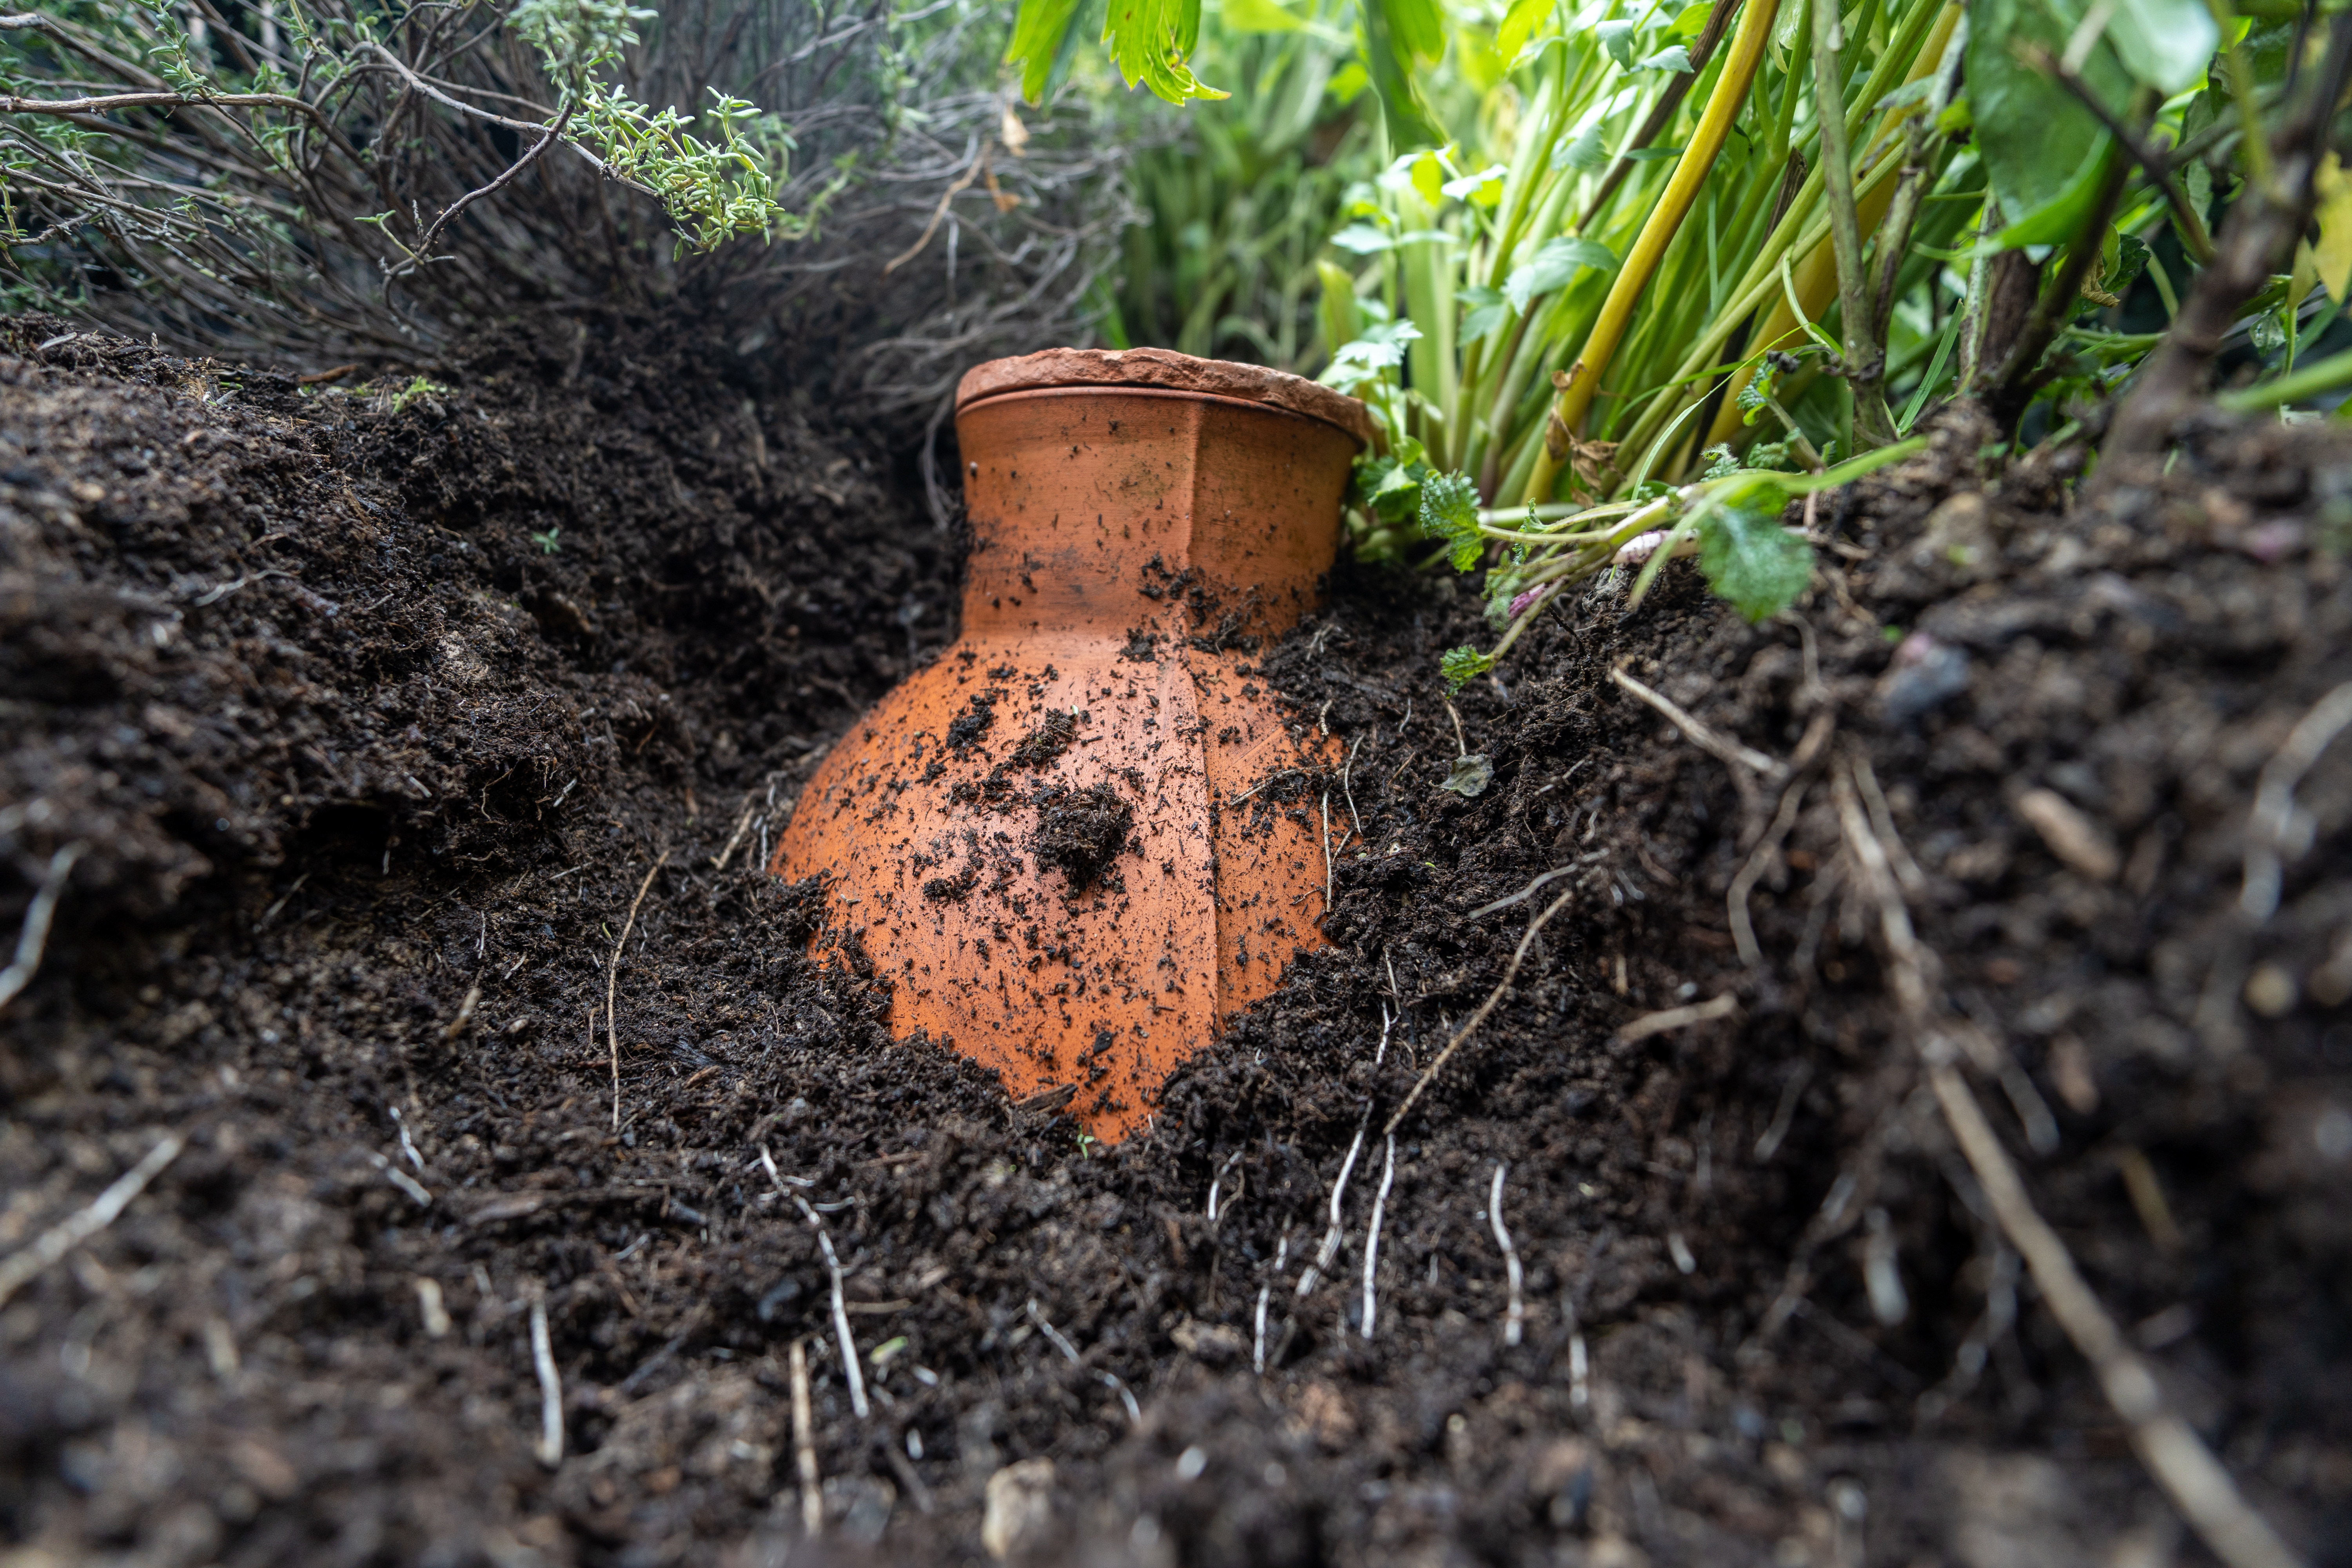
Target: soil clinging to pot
[(362, 710)]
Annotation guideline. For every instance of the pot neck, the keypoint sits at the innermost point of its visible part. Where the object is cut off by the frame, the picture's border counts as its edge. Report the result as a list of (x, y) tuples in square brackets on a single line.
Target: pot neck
[(1117, 511)]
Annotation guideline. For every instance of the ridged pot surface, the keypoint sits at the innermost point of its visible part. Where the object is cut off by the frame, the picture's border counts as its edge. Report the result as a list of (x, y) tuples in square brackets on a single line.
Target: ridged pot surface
[(1084, 835)]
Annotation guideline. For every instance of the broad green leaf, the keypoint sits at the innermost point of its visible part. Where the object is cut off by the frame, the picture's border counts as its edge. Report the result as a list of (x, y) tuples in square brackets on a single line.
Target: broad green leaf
[(1519, 25), (1037, 35), (1554, 265), (1336, 312), (1418, 29), (1259, 16), (1362, 238), (1690, 20), (2163, 43), (2334, 249), (2059, 219), (1750, 559), (1429, 179), (1484, 187), (1352, 79), (1449, 510), (2039, 146), (1392, 30), (1149, 40), (1672, 57)]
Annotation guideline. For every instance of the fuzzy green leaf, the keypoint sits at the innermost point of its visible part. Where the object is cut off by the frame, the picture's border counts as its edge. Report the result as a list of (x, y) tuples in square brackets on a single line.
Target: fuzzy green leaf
[(1449, 510), (1750, 559), (1461, 666)]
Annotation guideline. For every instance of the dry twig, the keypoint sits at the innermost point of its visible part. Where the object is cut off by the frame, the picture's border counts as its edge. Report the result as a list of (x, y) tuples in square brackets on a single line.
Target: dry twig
[(612, 980)]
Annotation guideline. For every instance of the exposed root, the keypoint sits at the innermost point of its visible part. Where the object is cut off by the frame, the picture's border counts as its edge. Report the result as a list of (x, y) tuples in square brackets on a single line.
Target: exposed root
[(2174, 1455)]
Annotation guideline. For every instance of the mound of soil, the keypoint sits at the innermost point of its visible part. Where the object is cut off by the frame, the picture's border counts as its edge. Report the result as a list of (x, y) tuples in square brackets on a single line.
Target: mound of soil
[(422, 746)]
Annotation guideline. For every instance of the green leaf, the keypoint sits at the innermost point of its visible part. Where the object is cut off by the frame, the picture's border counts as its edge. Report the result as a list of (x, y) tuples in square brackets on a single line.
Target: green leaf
[(1461, 666), (1149, 40), (1362, 238), (2041, 147), (1617, 37), (1554, 265), (1584, 153), (1518, 25), (1449, 510), (1750, 559), (2163, 43), (1396, 34), (1672, 57), (1258, 16), (1037, 35)]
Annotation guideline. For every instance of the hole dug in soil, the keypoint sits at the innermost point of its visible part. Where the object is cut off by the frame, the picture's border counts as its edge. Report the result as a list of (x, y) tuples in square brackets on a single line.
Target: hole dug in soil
[(373, 722)]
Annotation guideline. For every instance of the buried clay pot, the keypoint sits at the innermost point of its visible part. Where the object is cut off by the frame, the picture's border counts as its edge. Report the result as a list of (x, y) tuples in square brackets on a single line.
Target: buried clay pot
[(1084, 835)]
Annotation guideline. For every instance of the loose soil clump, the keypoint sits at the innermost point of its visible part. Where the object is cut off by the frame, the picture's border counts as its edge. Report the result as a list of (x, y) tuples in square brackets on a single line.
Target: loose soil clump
[(1080, 832), (376, 718)]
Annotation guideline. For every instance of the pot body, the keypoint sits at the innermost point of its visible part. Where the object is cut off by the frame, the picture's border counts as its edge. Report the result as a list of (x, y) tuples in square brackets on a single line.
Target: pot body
[(1084, 835)]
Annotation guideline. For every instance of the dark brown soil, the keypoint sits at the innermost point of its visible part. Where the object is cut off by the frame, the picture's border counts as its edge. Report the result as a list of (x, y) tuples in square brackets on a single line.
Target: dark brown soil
[(377, 711)]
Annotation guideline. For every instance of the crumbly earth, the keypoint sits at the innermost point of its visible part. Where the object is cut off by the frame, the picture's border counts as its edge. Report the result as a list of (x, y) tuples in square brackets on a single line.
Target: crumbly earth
[(422, 748)]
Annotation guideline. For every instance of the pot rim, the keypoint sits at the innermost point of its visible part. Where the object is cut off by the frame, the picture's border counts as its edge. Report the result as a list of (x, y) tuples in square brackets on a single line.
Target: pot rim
[(1163, 370)]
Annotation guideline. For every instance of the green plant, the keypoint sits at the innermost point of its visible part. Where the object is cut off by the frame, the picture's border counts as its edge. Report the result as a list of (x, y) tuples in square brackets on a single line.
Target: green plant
[(1651, 259), (550, 543), (1235, 208)]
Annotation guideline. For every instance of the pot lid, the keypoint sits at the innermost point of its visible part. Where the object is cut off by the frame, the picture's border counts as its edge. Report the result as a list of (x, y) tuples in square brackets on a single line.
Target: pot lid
[(1168, 370)]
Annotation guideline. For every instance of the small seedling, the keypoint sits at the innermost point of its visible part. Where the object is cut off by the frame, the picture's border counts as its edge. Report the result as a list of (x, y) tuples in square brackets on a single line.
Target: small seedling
[(551, 541)]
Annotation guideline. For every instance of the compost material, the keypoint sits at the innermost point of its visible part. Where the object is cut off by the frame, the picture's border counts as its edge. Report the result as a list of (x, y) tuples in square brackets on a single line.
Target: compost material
[(422, 747)]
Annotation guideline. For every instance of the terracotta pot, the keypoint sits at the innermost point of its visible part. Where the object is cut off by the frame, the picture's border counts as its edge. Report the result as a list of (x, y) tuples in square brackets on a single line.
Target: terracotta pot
[(1084, 835)]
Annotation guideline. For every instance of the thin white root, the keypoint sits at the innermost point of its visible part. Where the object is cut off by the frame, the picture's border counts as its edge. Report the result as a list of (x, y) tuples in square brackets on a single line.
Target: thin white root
[(1257, 1352), (35, 936), (805, 1444), (1326, 852), (1706, 1012), (1332, 1235), (1523, 895), (1510, 972), (1516, 1315), (1372, 1239), (1110, 1380), (19, 1269), (1218, 1181), (550, 1388), (2179, 1460), (849, 1369), (1704, 736), (613, 979), (2275, 832)]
